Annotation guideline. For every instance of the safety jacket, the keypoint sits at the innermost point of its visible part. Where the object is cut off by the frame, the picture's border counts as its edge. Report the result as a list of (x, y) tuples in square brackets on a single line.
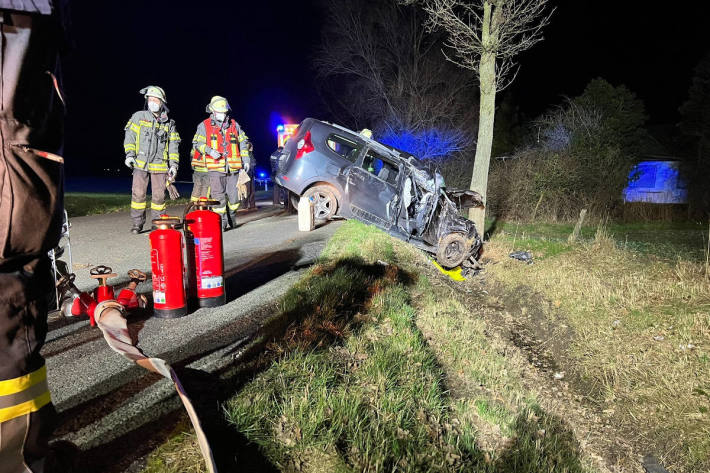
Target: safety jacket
[(153, 142), (225, 139)]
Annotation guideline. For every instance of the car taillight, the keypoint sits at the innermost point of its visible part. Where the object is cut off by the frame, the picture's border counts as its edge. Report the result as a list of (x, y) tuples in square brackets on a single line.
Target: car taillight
[(304, 145)]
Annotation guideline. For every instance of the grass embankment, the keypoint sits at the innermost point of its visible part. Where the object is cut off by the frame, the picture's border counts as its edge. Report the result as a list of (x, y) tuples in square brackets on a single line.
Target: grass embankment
[(79, 204), (637, 301), (385, 368)]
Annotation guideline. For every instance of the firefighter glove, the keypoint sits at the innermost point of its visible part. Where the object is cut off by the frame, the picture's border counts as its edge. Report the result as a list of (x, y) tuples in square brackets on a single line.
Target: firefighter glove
[(172, 172), (214, 153), (130, 162), (247, 165)]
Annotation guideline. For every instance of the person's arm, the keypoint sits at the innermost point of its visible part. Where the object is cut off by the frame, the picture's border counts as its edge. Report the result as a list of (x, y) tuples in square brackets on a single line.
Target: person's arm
[(174, 147), (199, 141), (129, 138), (243, 145)]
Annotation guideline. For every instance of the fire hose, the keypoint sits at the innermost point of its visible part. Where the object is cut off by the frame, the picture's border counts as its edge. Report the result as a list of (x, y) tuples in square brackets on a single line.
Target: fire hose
[(110, 318)]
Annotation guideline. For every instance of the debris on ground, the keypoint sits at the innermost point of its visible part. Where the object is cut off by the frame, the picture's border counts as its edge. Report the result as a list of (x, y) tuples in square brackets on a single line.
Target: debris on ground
[(651, 465), (524, 256), (456, 274)]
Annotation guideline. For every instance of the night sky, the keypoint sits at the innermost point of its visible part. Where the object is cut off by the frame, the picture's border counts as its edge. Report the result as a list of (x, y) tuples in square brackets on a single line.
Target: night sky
[(258, 55)]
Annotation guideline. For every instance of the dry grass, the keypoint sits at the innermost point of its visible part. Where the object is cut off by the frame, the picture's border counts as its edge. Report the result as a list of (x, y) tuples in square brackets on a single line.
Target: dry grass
[(180, 454), (641, 351)]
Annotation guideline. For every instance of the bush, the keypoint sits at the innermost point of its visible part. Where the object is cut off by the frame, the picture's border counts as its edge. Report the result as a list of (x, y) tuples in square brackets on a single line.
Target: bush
[(587, 149)]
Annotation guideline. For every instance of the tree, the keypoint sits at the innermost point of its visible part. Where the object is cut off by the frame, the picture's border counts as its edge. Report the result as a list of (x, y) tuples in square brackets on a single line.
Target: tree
[(695, 123), (381, 69), (485, 36)]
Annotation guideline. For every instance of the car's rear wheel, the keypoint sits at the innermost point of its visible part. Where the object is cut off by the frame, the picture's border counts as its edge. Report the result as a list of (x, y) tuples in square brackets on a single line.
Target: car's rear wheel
[(452, 250), (325, 202)]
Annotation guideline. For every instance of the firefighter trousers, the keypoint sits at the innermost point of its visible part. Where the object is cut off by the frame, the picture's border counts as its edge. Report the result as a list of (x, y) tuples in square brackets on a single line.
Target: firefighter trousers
[(223, 188), (31, 200), (141, 179), (200, 185)]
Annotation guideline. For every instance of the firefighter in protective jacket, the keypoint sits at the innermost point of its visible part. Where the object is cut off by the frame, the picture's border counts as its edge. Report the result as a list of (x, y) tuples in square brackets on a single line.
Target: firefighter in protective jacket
[(151, 146), (32, 33), (221, 144)]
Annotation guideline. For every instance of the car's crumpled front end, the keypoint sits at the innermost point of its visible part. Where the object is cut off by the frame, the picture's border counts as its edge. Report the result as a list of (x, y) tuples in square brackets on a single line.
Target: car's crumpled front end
[(432, 216)]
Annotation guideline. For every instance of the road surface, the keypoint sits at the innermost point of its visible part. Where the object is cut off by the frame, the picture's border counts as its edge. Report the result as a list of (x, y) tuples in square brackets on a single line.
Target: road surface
[(106, 403)]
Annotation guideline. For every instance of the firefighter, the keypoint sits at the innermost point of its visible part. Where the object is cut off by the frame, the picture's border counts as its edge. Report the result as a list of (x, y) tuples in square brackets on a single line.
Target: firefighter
[(31, 175), (223, 145), (151, 146)]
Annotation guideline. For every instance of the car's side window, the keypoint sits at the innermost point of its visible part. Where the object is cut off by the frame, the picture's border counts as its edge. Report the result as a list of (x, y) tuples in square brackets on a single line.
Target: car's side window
[(380, 167), (346, 148)]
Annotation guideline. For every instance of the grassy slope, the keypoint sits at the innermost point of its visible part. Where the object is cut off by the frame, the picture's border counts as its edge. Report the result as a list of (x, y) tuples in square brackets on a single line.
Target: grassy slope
[(384, 367), (641, 327), (668, 240), (78, 204)]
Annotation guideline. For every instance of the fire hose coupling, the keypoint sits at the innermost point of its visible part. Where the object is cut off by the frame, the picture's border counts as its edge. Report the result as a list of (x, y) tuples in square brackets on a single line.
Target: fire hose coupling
[(108, 305), (80, 303)]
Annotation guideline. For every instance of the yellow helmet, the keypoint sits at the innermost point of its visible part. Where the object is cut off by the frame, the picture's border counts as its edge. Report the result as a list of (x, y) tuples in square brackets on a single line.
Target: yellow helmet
[(154, 91), (366, 133), (218, 104)]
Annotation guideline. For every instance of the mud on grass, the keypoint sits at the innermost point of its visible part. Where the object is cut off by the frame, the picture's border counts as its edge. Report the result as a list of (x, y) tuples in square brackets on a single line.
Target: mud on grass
[(638, 331)]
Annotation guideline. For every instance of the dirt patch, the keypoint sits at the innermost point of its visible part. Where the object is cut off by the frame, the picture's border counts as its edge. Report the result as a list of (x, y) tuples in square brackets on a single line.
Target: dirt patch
[(535, 332)]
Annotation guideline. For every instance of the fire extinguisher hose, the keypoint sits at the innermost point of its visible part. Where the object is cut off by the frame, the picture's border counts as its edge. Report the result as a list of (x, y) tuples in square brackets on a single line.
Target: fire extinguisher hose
[(110, 319)]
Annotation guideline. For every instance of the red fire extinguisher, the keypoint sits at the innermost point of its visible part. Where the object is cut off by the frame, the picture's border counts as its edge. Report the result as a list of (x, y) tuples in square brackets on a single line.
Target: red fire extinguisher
[(166, 248), (203, 234)]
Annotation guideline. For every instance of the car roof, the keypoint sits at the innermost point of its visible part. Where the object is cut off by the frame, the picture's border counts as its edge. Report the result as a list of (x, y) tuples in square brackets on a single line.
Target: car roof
[(390, 150)]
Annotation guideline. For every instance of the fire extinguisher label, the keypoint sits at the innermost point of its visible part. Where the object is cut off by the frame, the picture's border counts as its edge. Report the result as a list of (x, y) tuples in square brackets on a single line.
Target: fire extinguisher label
[(159, 297), (212, 282)]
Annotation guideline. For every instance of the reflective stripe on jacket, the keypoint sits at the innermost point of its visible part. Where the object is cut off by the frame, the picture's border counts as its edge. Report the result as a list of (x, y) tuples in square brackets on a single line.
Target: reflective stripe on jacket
[(152, 141), (226, 140), (23, 395)]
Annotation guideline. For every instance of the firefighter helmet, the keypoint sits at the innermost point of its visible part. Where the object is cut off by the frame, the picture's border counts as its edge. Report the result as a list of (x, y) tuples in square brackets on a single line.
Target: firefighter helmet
[(154, 91), (218, 104), (366, 133)]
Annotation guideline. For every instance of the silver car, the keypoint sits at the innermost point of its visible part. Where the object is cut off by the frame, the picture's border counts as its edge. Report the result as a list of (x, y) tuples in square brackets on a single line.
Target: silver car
[(345, 173)]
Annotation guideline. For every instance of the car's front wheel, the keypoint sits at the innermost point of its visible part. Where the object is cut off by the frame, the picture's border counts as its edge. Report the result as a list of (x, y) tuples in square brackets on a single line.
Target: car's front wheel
[(325, 202), (452, 250)]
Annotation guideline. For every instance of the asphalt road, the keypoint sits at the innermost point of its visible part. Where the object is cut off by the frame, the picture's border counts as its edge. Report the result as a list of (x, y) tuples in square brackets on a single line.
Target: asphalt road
[(105, 402)]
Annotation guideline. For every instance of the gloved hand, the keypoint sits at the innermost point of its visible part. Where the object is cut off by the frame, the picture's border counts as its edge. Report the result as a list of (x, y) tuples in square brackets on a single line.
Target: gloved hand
[(247, 165), (214, 153), (130, 162), (172, 172)]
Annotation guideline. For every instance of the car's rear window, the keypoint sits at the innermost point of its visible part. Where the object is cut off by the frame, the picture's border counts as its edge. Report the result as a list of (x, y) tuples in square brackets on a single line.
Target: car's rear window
[(346, 148)]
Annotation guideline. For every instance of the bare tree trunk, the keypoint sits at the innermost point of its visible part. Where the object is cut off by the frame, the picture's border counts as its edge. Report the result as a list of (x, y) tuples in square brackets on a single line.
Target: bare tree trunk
[(487, 109)]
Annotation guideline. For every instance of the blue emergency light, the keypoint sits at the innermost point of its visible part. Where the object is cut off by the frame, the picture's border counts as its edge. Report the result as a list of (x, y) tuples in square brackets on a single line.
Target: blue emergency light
[(280, 128)]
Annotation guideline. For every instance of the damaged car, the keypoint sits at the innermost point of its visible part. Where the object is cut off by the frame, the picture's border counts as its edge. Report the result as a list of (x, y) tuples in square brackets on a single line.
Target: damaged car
[(348, 174)]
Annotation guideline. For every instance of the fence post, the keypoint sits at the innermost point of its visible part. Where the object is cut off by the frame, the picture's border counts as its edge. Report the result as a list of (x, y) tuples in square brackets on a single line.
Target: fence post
[(575, 233)]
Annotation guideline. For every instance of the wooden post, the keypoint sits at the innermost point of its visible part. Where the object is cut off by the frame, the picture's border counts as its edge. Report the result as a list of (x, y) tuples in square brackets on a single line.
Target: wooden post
[(577, 228), (306, 222)]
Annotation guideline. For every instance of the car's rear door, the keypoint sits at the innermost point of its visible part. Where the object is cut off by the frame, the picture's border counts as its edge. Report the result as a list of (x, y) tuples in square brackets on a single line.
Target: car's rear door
[(372, 186)]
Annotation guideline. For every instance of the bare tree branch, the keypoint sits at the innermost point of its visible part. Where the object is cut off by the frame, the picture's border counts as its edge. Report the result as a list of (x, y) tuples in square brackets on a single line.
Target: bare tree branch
[(517, 26)]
